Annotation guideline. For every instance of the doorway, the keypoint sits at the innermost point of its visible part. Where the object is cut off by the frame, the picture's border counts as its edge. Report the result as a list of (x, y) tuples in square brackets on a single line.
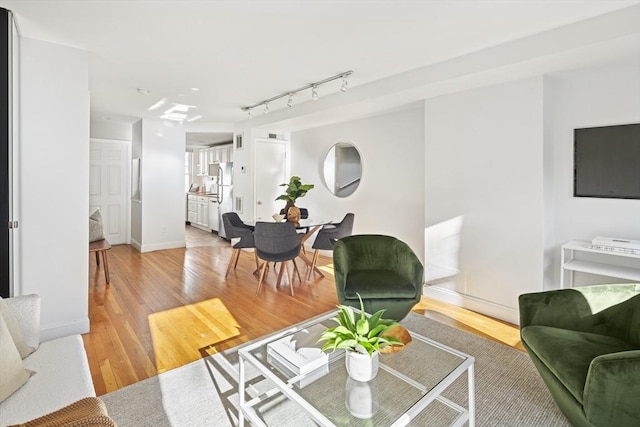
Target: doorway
[(108, 186), (271, 171)]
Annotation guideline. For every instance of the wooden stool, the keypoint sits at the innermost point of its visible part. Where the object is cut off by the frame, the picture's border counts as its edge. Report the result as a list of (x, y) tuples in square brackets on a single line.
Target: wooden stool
[(101, 246)]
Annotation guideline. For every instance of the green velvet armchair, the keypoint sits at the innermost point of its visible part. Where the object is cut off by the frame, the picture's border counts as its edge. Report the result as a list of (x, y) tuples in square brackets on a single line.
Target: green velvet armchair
[(382, 269), (585, 342)]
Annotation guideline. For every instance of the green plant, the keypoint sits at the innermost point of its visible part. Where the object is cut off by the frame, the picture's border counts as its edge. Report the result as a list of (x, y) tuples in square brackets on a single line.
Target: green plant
[(362, 335), (295, 190)]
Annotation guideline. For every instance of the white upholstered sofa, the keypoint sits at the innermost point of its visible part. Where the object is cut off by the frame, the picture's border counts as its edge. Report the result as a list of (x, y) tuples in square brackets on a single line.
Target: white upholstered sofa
[(61, 369)]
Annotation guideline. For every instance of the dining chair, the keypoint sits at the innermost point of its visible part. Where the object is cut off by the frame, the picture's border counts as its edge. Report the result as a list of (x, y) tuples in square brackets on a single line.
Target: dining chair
[(277, 242), (235, 228), (328, 236)]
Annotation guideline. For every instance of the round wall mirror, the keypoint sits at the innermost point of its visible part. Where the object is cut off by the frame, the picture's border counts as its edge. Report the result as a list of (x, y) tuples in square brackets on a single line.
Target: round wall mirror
[(342, 169)]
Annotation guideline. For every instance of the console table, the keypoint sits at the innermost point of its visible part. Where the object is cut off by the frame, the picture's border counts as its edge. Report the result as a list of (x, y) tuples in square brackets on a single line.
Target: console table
[(606, 264)]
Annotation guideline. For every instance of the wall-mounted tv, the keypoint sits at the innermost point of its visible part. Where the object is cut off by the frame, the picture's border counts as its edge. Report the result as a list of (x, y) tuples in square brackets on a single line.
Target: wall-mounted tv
[(607, 162)]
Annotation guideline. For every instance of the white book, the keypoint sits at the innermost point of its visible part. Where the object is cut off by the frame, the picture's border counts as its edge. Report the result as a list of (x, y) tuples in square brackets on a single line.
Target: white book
[(301, 350), (302, 380)]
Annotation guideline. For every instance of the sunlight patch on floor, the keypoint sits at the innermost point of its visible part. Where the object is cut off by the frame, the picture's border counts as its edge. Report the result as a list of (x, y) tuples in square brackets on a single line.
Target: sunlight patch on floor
[(181, 333), (326, 268), (494, 328)]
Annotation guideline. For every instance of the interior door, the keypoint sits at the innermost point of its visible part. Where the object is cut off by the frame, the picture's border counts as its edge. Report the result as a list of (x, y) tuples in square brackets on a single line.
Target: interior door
[(271, 171), (108, 187)]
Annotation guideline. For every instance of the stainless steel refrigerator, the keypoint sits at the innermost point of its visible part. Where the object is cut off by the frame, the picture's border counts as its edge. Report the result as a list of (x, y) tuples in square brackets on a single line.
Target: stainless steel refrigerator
[(224, 190)]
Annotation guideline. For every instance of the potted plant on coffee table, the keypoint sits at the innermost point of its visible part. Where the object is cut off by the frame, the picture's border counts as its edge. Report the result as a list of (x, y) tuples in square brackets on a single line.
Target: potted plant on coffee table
[(362, 338)]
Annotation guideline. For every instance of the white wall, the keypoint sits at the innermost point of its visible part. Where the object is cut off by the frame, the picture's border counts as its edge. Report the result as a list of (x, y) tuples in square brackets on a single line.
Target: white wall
[(54, 182), (389, 199), (102, 129), (136, 205), (606, 95), (163, 195), (484, 164)]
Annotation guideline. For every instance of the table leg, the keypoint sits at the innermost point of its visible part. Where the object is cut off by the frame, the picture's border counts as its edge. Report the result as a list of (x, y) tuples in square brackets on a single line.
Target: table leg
[(106, 266), (472, 397), (241, 386)]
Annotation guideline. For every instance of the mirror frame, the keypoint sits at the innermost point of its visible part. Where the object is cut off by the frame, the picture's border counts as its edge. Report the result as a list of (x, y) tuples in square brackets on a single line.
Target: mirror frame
[(331, 186)]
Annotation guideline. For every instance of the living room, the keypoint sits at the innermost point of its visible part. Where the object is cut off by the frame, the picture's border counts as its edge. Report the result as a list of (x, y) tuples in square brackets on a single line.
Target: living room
[(493, 127)]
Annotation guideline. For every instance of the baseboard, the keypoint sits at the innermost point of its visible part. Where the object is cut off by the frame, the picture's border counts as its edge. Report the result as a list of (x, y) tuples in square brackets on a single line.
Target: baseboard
[(58, 330), (136, 244), (488, 308), (164, 245)]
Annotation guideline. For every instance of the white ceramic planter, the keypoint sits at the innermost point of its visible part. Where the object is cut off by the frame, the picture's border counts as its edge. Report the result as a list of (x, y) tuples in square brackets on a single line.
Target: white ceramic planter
[(361, 367)]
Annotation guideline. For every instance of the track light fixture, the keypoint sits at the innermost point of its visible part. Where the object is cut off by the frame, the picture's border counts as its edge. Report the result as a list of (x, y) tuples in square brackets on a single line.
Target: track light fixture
[(314, 92)]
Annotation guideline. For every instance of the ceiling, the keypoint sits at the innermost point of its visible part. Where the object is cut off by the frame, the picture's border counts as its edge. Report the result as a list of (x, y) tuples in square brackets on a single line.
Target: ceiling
[(238, 53)]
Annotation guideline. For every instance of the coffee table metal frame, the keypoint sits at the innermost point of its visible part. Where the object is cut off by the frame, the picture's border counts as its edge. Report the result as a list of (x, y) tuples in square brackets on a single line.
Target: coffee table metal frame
[(286, 388)]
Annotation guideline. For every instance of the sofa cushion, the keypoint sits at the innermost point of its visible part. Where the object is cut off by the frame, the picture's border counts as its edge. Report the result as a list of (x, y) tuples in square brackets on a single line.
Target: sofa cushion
[(568, 354), (12, 372), (62, 377), (14, 330), (374, 284)]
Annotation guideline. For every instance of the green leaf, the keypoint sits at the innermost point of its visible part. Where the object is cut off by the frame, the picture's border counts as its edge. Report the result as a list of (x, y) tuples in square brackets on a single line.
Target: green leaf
[(347, 344), (362, 327), (377, 331)]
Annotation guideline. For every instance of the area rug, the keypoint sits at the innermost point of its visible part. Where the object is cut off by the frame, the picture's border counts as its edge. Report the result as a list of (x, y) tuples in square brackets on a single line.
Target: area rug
[(509, 391)]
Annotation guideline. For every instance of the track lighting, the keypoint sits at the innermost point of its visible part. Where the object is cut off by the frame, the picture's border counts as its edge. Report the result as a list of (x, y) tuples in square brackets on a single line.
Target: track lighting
[(345, 84), (314, 92)]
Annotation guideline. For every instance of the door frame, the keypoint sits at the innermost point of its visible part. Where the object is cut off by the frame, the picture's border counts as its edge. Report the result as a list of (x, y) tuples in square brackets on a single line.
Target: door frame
[(128, 162), (287, 165)]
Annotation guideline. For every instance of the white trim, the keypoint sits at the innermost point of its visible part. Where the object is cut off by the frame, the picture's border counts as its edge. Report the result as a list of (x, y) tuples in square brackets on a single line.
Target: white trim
[(136, 244), (64, 329), (488, 308), (164, 245)]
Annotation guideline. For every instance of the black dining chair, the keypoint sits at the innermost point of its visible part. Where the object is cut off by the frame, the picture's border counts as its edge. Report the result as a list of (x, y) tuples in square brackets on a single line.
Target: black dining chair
[(327, 237), (235, 228), (277, 242)]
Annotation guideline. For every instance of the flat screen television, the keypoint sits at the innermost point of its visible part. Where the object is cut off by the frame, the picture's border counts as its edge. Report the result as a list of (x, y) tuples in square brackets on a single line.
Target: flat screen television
[(607, 162)]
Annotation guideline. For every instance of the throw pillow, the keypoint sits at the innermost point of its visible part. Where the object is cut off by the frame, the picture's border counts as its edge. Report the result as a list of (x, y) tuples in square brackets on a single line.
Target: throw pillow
[(95, 226), (12, 372), (14, 330)]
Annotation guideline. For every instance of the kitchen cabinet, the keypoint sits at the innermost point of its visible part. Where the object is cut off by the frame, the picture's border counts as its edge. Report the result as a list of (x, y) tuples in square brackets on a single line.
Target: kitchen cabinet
[(198, 211), (220, 154)]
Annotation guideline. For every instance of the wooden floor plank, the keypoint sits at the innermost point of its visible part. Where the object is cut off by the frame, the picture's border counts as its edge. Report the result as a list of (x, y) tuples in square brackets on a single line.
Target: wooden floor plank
[(167, 308)]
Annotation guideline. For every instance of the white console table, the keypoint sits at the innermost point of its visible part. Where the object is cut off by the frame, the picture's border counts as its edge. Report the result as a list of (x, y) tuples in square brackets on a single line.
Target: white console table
[(570, 263)]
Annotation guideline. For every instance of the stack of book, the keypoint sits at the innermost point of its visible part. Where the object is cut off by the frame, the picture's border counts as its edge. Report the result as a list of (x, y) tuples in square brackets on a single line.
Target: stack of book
[(621, 246), (300, 355)]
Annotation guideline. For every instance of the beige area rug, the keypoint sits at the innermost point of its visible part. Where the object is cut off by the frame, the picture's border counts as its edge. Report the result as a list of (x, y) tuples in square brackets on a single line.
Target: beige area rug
[(509, 391)]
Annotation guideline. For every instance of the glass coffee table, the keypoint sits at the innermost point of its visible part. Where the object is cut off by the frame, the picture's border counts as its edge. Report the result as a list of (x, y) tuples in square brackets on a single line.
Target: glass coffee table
[(407, 390)]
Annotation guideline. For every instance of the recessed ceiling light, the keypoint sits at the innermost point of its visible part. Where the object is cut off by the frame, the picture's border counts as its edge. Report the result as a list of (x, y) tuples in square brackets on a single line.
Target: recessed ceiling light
[(158, 104), (143, 91), (195, 89), (194, 118)]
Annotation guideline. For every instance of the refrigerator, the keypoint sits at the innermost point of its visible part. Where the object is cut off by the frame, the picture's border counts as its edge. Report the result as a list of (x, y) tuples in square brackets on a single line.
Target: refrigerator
[(223, 175)]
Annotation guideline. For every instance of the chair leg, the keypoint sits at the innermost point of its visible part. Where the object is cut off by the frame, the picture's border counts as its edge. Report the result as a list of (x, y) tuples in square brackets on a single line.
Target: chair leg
[(316, 253), (295, 268), (98, 258), (233, 254), (289, 277), (264, 269), (282, 265), (235, 264), (255, 255)]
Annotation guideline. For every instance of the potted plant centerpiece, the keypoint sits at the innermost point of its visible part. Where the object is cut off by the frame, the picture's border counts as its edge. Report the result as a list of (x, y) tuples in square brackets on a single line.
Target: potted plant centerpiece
[(362, 338), (295, 189)]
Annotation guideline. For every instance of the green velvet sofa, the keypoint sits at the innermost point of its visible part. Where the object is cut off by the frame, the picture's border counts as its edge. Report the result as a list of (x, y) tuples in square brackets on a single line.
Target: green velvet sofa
[(382, 269), (585, 342)]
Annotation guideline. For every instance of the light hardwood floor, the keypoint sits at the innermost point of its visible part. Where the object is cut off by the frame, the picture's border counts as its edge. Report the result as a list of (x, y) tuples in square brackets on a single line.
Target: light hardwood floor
[(167, 308)]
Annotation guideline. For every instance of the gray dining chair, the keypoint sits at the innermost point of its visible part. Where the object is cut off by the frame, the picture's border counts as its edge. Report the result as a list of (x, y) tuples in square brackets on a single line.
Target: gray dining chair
[(277, 242), (235, 228), (328, 236)]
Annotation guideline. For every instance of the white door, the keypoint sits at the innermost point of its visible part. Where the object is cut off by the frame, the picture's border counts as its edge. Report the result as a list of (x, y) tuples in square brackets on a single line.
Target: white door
[(271, 171), (108, 187)]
